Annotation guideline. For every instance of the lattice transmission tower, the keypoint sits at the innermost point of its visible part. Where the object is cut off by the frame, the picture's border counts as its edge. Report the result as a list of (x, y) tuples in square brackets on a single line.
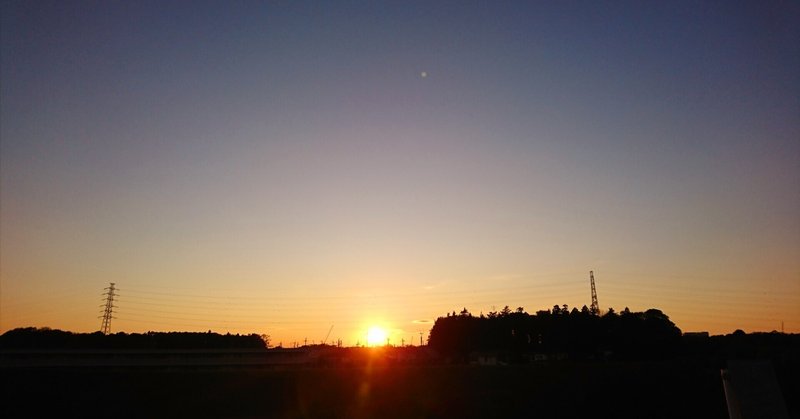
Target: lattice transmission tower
[(108, 312), (595, 309)]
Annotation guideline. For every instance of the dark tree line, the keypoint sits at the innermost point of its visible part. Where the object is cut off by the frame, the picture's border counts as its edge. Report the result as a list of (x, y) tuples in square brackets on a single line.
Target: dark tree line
[(576, 333), (45, 338)]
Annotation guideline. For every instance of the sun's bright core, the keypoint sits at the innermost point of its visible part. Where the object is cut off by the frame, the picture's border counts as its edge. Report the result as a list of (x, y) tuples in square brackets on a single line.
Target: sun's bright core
[(376, 336)]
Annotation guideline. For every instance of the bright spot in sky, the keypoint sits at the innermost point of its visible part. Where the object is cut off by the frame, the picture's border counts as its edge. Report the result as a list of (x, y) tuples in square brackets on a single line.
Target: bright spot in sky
[(423, 74), (376, 336)]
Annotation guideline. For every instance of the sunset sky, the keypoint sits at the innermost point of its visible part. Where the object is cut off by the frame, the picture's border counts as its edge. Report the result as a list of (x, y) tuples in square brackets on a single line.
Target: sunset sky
[(284, 167)]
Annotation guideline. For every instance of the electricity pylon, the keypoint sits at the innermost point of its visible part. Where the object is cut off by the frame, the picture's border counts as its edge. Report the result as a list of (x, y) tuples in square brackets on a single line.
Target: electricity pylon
[(108, 313), (595, 309)]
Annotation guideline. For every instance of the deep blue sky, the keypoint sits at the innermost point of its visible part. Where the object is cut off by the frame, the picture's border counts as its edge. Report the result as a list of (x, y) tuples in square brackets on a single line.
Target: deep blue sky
[(293, 146)]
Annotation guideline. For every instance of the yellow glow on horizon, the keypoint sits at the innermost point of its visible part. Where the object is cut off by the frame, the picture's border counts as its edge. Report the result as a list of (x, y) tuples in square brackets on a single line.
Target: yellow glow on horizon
[(376, 336)]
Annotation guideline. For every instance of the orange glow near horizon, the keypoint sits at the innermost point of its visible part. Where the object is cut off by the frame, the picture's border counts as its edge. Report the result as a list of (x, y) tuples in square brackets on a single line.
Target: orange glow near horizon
[(294, 316)]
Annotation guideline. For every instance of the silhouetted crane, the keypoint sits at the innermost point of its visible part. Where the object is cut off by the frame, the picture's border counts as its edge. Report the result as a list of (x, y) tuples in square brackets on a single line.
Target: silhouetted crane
[(325, 341)]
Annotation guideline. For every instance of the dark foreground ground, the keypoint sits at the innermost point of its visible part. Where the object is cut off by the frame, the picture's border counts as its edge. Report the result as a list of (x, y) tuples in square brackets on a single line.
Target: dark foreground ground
[(567, 389)]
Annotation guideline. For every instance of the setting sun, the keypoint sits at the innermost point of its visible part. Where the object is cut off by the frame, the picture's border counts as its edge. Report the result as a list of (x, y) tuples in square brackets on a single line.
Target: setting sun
[(376, 336)]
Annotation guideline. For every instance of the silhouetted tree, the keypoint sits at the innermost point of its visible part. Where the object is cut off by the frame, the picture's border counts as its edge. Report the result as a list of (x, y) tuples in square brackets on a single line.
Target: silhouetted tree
[(45, 338), (578, 333)]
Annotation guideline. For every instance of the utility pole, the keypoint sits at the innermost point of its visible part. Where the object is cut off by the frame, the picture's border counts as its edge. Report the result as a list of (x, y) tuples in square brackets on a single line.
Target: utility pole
[(595, 309), (108, 312), (420, 338)]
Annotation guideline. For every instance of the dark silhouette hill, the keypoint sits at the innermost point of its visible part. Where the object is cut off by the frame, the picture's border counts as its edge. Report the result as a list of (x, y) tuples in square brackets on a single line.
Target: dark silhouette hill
[(45, 338), (631, 364)]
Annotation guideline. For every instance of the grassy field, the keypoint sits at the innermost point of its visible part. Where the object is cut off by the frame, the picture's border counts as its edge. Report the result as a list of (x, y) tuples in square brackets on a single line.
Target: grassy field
[(554, 390)]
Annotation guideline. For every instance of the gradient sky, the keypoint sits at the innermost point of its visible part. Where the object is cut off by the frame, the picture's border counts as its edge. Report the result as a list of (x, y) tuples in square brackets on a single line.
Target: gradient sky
[(282, 167)]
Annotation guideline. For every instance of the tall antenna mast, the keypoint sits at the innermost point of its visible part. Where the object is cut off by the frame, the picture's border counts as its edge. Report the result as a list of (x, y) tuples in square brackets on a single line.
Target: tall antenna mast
[(595, 309), (105, 327)]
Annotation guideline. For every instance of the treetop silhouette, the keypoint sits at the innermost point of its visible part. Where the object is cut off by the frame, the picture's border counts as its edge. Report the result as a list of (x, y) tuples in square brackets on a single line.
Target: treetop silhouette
[(579, 333)]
